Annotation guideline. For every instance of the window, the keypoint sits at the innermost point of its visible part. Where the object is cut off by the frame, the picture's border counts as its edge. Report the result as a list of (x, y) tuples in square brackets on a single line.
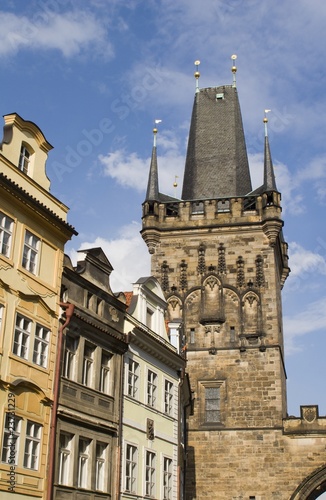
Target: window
[(69, 357), (24, 159), (14, 431), (197, 207), (105, 373), (167, 478), (22, 336), (223, 206), (41, 346), (149, 318), (88, 361), (212, 404), (131, 468), (83, 459), (99, 306), (10, 442), (30, 252), (151, 388), (32, 445), (133, 378), (88, 300), (6, 228), (65, 453), (150, 474), (25, 332), (168, 397), (100, 469)]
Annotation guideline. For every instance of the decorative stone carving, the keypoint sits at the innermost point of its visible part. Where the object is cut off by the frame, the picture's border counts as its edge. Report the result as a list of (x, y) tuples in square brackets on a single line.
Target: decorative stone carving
[(221, 259), (260, 279), (165, 276), (240, 272), (201, 268)]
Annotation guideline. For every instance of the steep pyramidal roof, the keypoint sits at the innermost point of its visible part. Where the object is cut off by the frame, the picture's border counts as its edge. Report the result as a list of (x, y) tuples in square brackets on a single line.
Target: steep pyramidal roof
[(269, 176), (152, 193), (217, 163)]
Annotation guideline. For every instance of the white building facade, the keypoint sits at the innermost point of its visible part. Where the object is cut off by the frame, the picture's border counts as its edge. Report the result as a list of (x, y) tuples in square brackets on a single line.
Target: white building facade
[(151, 411)]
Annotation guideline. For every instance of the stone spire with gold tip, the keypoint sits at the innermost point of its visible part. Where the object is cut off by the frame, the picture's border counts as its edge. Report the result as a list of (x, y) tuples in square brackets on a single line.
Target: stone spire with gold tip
[(269, 176), (152, 193)]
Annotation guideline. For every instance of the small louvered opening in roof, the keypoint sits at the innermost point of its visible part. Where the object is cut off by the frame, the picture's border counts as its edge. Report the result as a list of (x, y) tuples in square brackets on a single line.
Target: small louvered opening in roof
[(220, 96)]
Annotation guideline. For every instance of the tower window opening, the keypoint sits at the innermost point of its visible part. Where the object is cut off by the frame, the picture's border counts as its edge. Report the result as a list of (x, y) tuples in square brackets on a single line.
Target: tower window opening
[(197, 207), (249, 204), (172, 209), (223, 206), (150, 208)]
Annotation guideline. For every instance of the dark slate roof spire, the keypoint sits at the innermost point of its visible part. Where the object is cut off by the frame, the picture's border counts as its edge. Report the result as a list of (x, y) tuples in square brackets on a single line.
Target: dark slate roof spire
[(216, 163), (269, 176), (152, 193)]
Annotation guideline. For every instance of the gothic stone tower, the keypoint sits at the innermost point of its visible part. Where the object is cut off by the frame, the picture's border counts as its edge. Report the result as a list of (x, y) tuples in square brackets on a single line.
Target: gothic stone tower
[(220, 256)]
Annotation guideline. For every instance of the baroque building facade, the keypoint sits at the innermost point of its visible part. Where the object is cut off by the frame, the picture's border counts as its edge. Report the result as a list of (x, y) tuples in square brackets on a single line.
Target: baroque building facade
[(33, 232), (221, 258)]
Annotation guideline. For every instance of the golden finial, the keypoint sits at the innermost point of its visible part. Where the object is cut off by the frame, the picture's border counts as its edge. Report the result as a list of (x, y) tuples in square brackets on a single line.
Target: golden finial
[(175, 185), (197, 75), (234, 69), (265, 120), (155, 131)]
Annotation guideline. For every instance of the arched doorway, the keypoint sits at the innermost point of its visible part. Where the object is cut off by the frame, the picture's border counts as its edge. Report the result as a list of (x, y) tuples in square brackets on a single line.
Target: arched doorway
[(314, 486)]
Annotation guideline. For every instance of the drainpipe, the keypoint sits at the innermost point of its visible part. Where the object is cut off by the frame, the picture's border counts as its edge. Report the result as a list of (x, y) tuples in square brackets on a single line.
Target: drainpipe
[(121, 411), (69, 311)]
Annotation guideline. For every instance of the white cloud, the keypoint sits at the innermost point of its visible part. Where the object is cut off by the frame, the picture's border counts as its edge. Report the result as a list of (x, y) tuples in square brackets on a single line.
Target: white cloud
[(127, 253), (129, 170), (70, 33), (310, 320), (305, 261)]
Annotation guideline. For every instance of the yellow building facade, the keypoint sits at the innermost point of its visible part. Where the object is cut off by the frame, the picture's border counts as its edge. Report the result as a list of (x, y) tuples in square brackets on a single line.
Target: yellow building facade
[(33, 232)]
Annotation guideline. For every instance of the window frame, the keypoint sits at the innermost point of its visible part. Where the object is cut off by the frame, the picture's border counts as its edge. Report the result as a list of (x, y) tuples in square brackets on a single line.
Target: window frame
[(167, 478), (131, 468), (32, 445), (150, 473), (168, 397), (101, 466), (83, 461), (69, 357), (41, 346), (207, 403), (31, 252), (88, 364), (27, 447), (26, 336), (11, 431), (22, 337), (25, 158), (133, 378), (6, 232), (105, 378), (151, 393), (65, 458)]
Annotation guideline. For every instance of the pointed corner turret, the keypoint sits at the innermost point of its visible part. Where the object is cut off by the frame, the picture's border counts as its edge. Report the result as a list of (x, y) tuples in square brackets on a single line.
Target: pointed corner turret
[(152, 193), (269, 175)]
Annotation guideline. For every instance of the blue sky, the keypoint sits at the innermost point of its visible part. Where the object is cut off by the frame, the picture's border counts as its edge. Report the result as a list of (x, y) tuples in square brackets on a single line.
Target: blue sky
[(95, 74)]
